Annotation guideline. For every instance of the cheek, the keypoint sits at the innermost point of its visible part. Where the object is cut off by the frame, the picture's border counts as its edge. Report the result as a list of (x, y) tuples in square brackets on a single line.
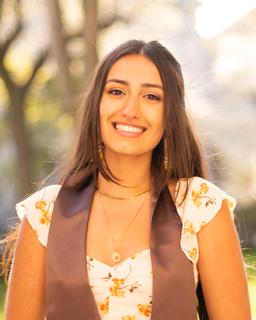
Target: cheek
[(101, 118), (158, 120), (158, 135), (159, 125), (157, 131), (104, 115), (107, 108)]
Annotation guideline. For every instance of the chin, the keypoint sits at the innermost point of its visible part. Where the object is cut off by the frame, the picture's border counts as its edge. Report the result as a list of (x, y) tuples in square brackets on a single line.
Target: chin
[(137, 152)]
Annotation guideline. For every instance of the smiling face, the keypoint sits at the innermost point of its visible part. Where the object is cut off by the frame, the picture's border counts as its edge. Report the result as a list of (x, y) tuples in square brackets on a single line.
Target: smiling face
[(131, 107)]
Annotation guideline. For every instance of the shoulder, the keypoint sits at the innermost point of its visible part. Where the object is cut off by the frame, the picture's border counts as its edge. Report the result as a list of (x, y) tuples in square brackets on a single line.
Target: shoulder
[(201, 195), (38, 210), (198, 201)]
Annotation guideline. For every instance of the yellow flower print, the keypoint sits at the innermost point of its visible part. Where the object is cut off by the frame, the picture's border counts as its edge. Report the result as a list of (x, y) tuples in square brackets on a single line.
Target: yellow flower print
[(36, 233), (42, 220), (144, 309), (229, 203), (104, 306), (193, 254), (49, 216), (128, 318), (151, 271), (182, 197), (196, 198), (117, 282), (203, 223), (188, 227), (40, 205), (134, 256), (116, 291), (45, 217), (204, 188)]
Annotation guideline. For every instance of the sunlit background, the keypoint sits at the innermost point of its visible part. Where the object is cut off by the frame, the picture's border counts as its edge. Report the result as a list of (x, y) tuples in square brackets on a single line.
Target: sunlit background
[(49, 48)]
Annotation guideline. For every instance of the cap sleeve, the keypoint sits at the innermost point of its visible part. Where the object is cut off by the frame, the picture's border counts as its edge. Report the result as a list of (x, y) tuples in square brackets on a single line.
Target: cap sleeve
[(38, 210), (202, 203)]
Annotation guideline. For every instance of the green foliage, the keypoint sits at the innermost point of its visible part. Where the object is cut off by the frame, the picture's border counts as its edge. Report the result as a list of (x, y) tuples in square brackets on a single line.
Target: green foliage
[(2, 297), (250, 262)]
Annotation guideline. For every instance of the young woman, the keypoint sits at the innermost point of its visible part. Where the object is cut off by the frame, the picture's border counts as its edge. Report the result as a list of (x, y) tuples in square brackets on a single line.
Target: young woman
[(132, 225)]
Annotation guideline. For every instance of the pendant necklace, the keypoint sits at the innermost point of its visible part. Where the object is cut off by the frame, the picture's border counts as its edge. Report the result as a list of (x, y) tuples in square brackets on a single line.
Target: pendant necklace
[(116, 257)]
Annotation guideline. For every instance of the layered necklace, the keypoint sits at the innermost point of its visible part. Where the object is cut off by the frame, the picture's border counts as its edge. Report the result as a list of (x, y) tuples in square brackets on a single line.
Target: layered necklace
[(116, 257), (116, 198)]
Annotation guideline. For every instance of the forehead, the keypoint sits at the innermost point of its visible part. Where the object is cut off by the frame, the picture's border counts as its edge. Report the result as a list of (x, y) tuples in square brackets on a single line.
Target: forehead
[(135, 67)]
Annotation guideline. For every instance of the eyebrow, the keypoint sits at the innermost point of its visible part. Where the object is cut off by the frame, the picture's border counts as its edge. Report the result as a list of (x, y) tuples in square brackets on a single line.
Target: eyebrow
[(144, 85)]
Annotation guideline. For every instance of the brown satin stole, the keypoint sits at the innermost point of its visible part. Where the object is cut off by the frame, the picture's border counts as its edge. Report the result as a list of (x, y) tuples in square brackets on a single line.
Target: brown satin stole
[(68, 292)]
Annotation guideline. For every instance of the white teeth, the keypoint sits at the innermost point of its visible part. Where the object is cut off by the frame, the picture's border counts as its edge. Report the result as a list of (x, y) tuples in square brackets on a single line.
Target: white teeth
[(127, 128)]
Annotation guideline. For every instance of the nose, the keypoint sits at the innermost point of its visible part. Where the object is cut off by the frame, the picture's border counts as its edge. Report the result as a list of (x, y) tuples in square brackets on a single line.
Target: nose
[(131, 109)]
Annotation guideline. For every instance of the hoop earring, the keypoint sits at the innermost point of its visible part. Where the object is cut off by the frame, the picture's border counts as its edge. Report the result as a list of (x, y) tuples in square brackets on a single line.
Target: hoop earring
[(100, 148)]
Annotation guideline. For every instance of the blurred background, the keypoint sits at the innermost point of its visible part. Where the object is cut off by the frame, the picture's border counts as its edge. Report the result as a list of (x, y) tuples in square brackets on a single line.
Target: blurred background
[(49, 48)]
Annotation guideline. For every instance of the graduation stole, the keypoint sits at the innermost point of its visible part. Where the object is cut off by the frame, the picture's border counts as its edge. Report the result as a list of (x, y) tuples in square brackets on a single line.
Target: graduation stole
[(68, 292)]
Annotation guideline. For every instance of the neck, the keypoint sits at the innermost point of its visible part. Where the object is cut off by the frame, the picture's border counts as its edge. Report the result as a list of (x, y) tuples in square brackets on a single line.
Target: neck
[(133, 172)]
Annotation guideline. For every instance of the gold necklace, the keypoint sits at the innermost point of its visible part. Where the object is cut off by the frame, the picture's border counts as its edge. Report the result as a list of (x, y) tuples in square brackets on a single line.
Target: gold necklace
[(116, 257), (116, 198)]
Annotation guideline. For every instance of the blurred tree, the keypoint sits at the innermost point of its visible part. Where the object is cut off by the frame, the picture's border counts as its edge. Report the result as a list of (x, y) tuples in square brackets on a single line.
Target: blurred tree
[(59, 52), (17, 94), (75, 64), (91, 28)]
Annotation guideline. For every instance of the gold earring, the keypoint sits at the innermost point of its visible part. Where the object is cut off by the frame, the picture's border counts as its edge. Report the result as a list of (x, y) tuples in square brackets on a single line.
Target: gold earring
[(167, 158), (100, 148), (165, 154)]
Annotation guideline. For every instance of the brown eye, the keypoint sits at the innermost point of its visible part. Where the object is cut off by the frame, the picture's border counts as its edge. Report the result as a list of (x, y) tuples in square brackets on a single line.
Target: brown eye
[(152, 97), (116, 92)]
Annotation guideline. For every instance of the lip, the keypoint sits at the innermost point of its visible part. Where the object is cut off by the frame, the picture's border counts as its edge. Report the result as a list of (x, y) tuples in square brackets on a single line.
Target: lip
[(129, 134)]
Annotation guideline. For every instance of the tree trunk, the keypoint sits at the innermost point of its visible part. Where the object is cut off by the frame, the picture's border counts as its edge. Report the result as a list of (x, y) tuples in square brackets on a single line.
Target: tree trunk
[(17, 95), (59, 52), (23, 165), (90, 34)]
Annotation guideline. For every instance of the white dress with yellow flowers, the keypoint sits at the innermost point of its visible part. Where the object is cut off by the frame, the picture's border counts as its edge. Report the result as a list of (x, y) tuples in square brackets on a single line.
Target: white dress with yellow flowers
[(124, 292)]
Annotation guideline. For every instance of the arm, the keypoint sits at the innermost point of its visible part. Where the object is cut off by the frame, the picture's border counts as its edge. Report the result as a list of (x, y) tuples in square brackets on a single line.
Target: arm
[(221, 269), (26, 293)]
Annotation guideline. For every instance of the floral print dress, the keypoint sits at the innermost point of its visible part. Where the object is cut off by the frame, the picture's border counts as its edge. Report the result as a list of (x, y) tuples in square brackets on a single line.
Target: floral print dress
[(124, 292)]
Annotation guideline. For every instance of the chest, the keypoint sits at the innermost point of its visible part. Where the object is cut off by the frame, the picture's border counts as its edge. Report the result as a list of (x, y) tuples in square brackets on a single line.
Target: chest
[(173, 283), (116, 225)]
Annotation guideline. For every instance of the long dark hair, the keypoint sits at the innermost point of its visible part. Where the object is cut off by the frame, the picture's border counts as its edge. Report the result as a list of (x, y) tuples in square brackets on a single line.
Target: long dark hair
[(184, 150)]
